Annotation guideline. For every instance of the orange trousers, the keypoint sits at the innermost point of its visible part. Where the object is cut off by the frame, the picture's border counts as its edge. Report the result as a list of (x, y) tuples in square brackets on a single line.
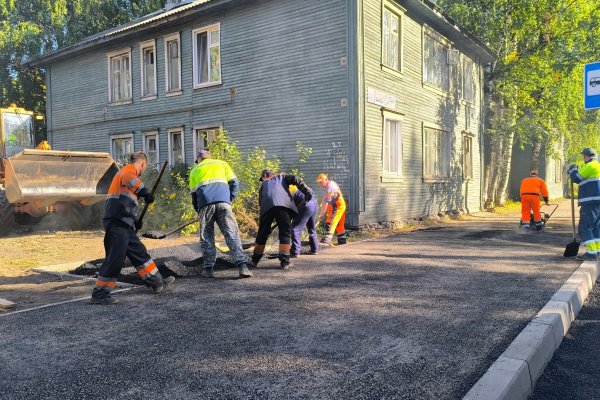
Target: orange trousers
[(337, 220), (530, 202)]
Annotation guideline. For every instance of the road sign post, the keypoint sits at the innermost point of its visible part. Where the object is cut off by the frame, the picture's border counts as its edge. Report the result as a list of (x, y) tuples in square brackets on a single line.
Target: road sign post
[(591, 86)]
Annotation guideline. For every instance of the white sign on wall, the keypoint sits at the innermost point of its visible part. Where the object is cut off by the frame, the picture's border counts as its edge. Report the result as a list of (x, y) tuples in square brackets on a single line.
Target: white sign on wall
[(381, 98)]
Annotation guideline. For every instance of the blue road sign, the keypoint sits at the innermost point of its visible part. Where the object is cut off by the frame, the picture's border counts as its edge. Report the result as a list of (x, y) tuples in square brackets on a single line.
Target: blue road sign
[(591, 86)]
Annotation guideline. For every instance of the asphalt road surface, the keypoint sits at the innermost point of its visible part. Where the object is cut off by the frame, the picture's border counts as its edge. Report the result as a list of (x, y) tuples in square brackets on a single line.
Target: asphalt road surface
[(418, 315)]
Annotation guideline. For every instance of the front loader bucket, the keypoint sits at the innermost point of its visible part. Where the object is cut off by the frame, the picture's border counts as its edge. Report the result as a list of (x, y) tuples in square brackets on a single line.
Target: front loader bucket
[(50, 176)]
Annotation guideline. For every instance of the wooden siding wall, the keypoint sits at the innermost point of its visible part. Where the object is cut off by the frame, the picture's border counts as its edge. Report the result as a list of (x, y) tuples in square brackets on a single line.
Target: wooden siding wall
[(410, 196), (282, 57), (520, 165)]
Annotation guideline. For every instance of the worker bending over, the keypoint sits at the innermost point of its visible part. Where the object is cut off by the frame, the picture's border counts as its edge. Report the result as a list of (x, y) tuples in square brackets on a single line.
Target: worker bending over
[(120, 226), (588, 178), (334, 206), (276, 204), (531, 190), (307, 217), (214, 186)]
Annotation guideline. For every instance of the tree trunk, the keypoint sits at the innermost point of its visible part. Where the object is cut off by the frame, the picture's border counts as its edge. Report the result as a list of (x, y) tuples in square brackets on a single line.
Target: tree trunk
[(503, 169), (536, 155), (492, 172)]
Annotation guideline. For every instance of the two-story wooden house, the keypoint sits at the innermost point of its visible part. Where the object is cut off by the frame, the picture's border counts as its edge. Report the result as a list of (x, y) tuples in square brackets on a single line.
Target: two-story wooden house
[(387, 93)]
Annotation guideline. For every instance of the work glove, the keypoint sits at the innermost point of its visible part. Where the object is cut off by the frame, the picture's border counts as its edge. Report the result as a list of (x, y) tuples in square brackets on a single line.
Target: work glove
[(148, 197), (571, 168), (308, 196), (138, 225)]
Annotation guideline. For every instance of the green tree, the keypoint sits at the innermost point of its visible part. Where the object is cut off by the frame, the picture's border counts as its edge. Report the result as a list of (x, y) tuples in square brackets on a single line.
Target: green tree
[(535, 86)]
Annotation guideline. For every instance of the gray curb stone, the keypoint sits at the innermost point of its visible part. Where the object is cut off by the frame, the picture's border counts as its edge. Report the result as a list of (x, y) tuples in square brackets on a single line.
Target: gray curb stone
[(514, 374)]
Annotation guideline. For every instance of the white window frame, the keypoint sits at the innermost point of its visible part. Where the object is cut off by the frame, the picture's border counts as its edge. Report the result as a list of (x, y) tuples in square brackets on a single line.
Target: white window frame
[(465, 75), (398, 12), (170, 133), (109, 57), (468, 157), (143, 46), (208, 30), (146, 135), (202, 128), (114, 137), (445, 44), (397, 118), (444, 165), (166, 39)]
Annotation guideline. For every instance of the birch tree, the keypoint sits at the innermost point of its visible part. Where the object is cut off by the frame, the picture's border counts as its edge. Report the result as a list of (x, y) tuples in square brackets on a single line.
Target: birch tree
[(535, 86)]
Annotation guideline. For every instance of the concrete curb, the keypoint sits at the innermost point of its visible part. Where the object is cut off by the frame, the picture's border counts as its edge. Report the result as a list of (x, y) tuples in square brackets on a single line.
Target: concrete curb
[(514, 374)]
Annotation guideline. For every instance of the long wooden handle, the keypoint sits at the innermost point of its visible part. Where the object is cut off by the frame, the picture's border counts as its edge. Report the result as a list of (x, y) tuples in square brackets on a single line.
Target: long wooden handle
[(573, 209), (154, 187)]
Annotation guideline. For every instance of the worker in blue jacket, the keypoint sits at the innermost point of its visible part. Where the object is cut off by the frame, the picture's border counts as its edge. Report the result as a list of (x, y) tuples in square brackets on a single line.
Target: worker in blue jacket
[(276, 204), (588, 178)]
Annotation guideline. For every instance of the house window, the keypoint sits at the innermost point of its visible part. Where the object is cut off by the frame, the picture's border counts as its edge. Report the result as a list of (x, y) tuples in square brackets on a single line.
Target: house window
[(121, 147), (176, 148), (151, 148), (203, 136), (558, 171), (119, 76), (207, 56), (148, 68), (392, 145), (436, 153), (173, 64), (391, 45), (467, 157), (468, 89), (435, 61)]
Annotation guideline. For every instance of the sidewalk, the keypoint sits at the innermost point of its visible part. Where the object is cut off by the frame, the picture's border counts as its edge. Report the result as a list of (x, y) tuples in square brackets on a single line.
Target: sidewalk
[(418, 315)]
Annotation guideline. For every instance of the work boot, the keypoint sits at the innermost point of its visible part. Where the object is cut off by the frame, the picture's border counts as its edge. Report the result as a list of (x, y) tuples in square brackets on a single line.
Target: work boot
[(587, 257), (285, 262), (244, 271), (208, 272), (539, 226), (327, 238), (255, 259), (342, 238), (102, 296), (157, 283), (526, 226)]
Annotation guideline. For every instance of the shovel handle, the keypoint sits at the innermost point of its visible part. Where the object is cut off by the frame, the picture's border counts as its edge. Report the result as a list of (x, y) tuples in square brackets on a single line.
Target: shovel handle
[(154, 187), (573, 209)]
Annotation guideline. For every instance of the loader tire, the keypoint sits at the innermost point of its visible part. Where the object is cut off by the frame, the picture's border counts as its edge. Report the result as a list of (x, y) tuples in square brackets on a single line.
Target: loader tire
[(7, 215)]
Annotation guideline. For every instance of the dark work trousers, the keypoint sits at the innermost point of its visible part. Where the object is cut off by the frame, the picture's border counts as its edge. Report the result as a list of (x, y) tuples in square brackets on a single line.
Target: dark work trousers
[(589, 227), (283, 217), (307, 216), (120, 241)]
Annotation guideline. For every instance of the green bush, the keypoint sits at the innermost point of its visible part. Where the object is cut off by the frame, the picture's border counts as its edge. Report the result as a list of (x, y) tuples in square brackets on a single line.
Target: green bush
[(173, 205)]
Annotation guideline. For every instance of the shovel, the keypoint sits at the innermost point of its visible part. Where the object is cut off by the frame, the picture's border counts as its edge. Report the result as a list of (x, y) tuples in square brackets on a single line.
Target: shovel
[(572, 248), (162, 235), (160, 174)]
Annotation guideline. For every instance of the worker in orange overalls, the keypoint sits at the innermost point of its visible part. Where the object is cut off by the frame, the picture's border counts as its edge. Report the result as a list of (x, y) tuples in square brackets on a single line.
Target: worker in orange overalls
[(531, 190), (334, 206), (120, 226)]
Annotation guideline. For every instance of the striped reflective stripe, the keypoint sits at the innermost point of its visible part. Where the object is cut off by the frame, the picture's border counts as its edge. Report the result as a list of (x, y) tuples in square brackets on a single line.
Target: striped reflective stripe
[(139, 188), (578, 175), (589, 199), (114, 196), (148, 268), (132, 183), (583, 182), (589, 241), (106, 283), (130, 195), (209, 181), (259, 248)]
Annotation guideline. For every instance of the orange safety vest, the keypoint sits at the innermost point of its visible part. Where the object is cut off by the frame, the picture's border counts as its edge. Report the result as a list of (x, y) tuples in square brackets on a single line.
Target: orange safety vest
[(122, 201)]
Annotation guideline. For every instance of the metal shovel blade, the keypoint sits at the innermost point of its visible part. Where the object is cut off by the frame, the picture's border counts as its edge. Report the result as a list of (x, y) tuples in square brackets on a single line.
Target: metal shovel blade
[(572, 249)]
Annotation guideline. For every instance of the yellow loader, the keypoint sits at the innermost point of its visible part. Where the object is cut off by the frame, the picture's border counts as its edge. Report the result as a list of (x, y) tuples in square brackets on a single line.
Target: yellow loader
[(35, 181)]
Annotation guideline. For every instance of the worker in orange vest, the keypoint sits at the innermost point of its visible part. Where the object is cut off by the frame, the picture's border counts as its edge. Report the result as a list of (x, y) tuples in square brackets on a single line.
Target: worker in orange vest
[(333, 206), (531, 190)]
